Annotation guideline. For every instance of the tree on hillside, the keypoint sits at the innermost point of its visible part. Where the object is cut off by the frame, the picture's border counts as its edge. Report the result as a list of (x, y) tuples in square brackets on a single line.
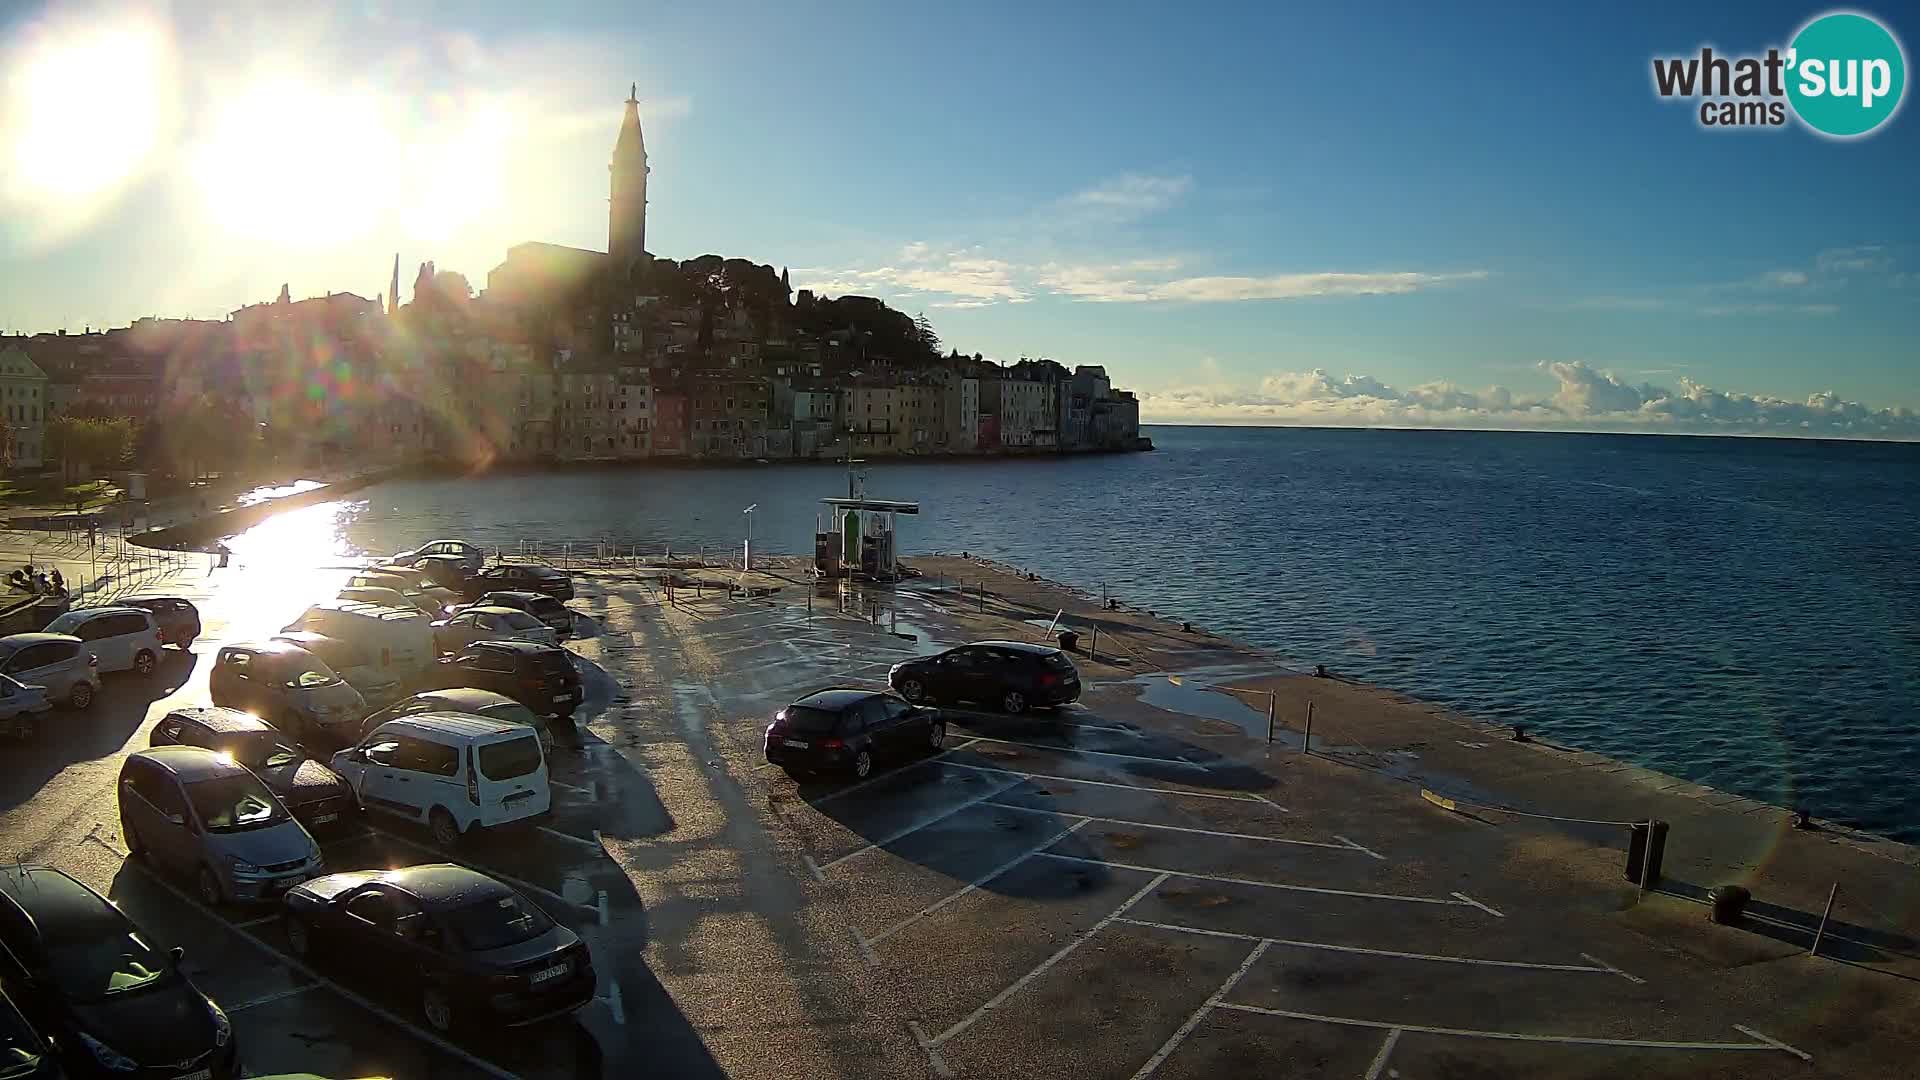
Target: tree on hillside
[(923, 328)]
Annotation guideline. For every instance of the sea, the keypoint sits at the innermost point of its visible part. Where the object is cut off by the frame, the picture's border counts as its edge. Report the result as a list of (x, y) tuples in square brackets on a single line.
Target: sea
[(1740, 612)]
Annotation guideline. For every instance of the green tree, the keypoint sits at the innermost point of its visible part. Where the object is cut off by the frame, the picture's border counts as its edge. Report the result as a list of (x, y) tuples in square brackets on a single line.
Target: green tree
[(78, 443)]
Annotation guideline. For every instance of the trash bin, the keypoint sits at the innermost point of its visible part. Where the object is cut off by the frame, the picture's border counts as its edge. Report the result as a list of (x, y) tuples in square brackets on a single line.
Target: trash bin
[(1069, 640), (1726, 902)]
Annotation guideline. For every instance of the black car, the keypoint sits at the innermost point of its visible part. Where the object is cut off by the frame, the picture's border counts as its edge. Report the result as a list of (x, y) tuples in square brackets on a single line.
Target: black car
[(520, 577), (316, 795), (24, 1052), (541, 677), (850, 730), (469, 949), (178, 619), (539, 605), (1010, 675), (91, 979)]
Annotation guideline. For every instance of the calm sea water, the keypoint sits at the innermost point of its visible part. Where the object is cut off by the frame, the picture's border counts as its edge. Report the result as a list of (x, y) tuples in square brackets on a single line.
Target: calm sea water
[(1741, 612)]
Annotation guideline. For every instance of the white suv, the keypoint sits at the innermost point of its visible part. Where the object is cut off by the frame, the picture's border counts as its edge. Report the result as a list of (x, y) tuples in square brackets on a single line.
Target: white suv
[(119, 638)]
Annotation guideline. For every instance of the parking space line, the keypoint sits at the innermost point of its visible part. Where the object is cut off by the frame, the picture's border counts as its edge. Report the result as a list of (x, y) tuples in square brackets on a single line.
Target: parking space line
[(568, 787), (1469, 1033), (1047, 965), (1329, 947), (381, 1011), (975, 883), (268, 999), (1630, 978), (527, 885), (260, 920), (1095, 783), (1465, 899), (934, 1060), (1179, 1036), (1096, 753), (1386, 1052), (1359, 848), (1801, 1054), (1183, 828), (851, 788), (569, 837), (917, 826), (1401, 898)]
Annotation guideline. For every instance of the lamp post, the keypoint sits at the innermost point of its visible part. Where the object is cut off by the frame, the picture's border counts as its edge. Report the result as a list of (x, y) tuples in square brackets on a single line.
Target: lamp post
[(747, 562)]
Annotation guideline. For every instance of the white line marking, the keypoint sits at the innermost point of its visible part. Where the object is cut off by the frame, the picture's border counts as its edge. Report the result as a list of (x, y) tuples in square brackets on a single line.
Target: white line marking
[(1095, 783), (1164, 872), (1358, 847), (422, 1034), (261, 920), (1329, 947), (1466, 1033), (569, 787), (1801, 1054), (1179, 1036), (902, 834), (568, 837), (866, 947), (600, 902), (1256, 797), (443, 857), (1464, 898), (934, 1060), (975, 883), (268, 999), (1047, 964), (851, 788), (814, 869), (1180, 828), (1386, 1052), (1095, 753), (1637, 980), (614, 1004)]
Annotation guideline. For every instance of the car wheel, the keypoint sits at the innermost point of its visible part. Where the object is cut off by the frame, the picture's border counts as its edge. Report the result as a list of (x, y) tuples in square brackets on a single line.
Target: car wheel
[(437, 1009), (936, 736), (299, 937), (1014, 702), (136, 847), (144, 662), (80, 696), (445, 830), (208, 887), (863, 764), (913, 690)]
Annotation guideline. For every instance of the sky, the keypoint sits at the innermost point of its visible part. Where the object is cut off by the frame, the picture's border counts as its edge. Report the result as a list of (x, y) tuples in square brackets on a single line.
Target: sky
[(1396, 214)]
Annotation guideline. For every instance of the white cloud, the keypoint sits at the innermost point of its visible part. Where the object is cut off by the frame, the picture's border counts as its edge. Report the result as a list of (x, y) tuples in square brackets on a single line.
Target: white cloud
[(1583, 399), (1783, 279), (1724, 310), (1133, 194), (1865, 258)]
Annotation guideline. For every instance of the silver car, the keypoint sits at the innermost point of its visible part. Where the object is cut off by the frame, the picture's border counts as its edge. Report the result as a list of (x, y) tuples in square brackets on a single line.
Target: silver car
[(202, 814), (58, 662)]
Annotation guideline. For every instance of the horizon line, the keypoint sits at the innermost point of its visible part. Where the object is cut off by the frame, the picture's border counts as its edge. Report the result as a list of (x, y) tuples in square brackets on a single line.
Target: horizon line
[(1773, 436)]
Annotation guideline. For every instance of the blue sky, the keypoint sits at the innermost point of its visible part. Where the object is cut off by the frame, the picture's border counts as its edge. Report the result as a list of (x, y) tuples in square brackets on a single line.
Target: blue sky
[(1184, 193)]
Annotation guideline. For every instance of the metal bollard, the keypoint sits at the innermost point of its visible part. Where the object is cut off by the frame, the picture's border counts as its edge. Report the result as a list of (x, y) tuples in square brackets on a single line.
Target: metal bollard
[(1306, 737), (1270, 715), (1093, 647)]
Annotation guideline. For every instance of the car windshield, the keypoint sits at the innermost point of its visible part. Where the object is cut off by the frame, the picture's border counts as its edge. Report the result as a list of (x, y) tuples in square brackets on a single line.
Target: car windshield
[(811, 720), (1057, 661), (98, 967), (65, 623), (510, 759), (520, 620), (497, 923), (264, 750), (512, 712), (556, 662), (307, 674), (235, 804)]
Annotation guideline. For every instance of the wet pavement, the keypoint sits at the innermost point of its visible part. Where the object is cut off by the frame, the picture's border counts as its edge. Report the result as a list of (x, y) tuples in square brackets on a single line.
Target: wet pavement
[(1128, 887)]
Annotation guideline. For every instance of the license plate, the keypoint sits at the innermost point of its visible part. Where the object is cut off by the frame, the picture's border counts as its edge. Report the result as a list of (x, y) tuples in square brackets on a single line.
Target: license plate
[(797, 744), (547, 974), (562, 697), (203, 1074), (322, 819)]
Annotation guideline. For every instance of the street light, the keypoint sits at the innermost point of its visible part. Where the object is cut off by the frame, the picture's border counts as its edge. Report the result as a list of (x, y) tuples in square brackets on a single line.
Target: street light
[(747, 562)]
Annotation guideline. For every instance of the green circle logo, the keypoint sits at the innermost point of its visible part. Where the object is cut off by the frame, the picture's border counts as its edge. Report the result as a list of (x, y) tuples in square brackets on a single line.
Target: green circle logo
[(1846, 74)]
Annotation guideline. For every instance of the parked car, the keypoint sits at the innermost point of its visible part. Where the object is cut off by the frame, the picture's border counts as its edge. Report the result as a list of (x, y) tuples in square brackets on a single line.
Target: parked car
[(93, 981), (25, 1053), (472, 950), (463, 700), (203, 814), (401, 637), (433, 599), (288, 687), (316, 796), (178, 619), (1011, 675), (472, 556), (388, 597), (446, 571), (353, 662), (121, 638), (541, 677), (539, 605), (58, 662), (468, 625), (521, 577), (21, 708), (453, 771), (850, 730)]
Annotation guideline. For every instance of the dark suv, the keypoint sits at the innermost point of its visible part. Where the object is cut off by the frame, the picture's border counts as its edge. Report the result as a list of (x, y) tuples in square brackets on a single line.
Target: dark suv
[(1010, 675), (541, 677), (849, 730), (520, 577)]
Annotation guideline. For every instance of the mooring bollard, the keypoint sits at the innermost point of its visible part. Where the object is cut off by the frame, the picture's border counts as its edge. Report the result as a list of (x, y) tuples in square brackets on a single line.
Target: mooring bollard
[(1822, 931), (983, 597), (1093, 647), (1306, 737), (1270, 714)]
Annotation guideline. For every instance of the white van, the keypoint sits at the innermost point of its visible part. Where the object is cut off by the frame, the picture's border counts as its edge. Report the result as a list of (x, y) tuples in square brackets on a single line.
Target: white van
[(453, 771), (400, 639), (120, 638)]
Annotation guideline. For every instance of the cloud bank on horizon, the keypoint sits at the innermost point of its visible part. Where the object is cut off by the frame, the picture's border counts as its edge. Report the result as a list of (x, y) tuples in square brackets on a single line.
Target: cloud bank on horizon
[(1585, 399)]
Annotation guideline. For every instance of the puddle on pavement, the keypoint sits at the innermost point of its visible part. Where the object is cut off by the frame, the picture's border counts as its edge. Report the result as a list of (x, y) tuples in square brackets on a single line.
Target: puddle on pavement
[(1196, 695)]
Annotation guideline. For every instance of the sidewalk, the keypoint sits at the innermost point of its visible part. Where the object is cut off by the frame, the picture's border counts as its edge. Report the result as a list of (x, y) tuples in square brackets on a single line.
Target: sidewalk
[(111, 566)]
